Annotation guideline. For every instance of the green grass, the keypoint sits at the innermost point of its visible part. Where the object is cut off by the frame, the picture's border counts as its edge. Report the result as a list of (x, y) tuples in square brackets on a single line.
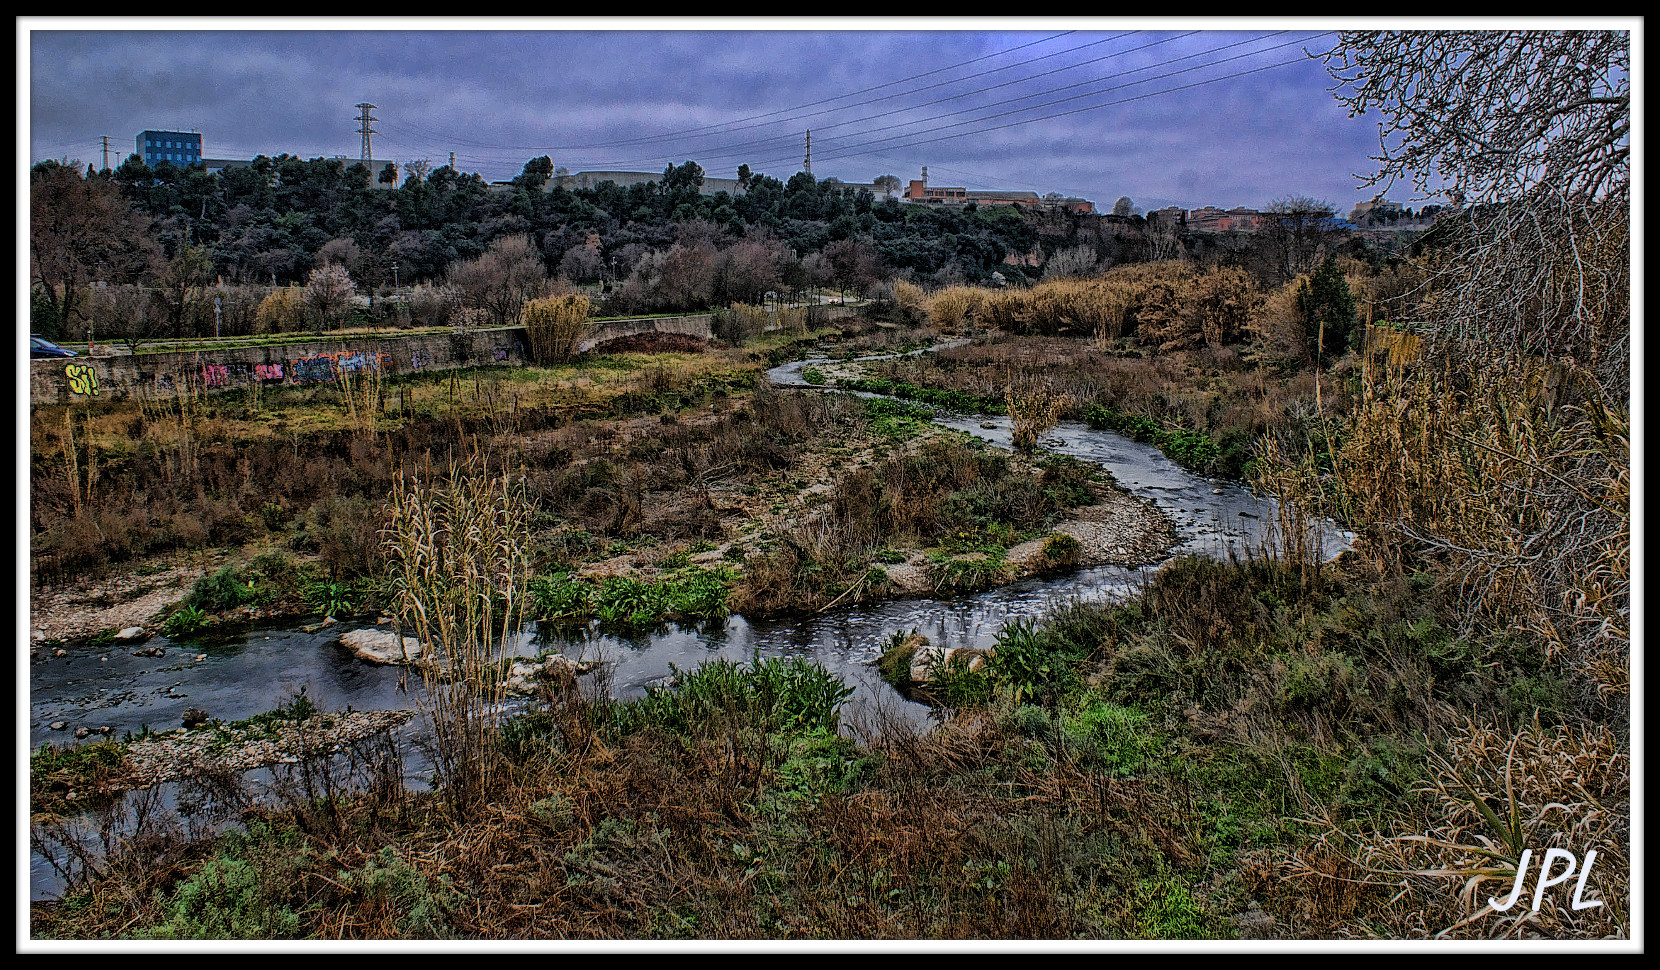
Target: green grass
[(687, 593), (772, 694), (956, 401)]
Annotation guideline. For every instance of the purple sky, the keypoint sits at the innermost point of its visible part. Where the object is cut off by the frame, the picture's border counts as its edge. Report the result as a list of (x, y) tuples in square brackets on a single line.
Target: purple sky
[(1091, 107)]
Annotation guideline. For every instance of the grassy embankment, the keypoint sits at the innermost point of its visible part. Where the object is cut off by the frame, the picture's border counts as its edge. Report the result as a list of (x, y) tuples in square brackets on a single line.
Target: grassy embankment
[(636, 462), (1232, 753)]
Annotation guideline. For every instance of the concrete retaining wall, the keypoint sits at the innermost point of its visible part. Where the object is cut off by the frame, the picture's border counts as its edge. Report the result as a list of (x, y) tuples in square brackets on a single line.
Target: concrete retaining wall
[(316, 362)]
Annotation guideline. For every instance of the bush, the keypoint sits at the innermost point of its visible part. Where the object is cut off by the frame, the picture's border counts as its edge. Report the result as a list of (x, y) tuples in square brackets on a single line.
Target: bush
[(226, 900), (226, 590), (555, 326)]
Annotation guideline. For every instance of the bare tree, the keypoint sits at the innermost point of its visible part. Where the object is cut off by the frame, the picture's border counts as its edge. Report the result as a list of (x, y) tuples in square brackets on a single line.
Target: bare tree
[(581, 263), (183, 280), (329, 292), (1077, 261), (502, 279), (1528, 135), (80, 230), (1504, 450), (1293, 230)]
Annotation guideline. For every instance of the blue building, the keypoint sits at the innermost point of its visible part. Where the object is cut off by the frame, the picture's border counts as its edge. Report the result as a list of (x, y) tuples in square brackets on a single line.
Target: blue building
[(179, 147)]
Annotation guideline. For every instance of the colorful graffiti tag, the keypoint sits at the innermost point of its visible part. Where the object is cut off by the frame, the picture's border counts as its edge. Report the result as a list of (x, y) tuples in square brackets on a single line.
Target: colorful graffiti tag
[(268, 372), (83, 379), (420, 359), (311, 370), (215, 375)]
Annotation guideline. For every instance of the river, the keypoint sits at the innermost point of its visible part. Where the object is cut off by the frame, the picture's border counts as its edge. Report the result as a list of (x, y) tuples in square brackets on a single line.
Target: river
[(109, 687)]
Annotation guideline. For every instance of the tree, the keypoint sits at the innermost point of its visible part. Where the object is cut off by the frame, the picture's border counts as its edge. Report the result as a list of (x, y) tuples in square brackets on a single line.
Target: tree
[(1293, 231), (1123, 207), (182, 281), (536, 173), (417, 169), (1503, 453), (1077, 261), (1528, 135), (1328, 310), (502, 278), (679, 180), (887, 184), (80, 230), (329, 293), (582, 263)]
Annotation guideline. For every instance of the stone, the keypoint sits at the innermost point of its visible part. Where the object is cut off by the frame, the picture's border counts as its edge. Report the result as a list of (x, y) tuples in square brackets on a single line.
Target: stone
[(195, 717), (60, 652), (988, 425), (929, 658), (522, 675), (131, 633), (81, 732), (58, 725), (381, 646)]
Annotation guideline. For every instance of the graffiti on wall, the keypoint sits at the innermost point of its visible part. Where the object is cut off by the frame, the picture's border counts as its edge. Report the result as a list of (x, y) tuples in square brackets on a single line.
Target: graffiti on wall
[(215, 375), (268, 372), (83, 379), (420, 359), (311, 370)]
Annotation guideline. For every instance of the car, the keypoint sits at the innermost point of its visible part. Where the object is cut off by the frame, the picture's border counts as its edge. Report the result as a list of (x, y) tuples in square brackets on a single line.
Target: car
[(41, 347)]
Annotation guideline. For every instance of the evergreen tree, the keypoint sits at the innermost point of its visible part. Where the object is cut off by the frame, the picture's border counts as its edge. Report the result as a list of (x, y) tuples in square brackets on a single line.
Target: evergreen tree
[(1328, 310)]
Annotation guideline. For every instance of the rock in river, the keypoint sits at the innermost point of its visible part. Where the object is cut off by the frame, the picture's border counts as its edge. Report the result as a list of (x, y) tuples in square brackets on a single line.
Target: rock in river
[(381, 646)]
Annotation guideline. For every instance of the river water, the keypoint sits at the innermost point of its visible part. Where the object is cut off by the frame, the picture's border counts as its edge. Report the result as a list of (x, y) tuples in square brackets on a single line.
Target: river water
[(109, 687)]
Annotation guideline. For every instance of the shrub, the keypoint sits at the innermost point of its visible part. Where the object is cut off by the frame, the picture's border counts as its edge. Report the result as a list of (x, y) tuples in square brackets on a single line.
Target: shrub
[(555, 326), (227, 899)]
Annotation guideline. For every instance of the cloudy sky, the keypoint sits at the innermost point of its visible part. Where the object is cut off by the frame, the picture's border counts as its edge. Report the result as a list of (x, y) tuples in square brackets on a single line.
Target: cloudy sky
[(1180, 111)]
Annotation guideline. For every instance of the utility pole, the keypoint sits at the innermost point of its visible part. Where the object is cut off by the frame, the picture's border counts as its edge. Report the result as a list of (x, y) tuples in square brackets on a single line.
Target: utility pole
[(364, 130), (808, 161)]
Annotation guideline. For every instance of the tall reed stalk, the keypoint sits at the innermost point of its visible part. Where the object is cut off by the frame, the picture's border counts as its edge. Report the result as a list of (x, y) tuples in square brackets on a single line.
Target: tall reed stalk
[(360, 391), (457, 550)]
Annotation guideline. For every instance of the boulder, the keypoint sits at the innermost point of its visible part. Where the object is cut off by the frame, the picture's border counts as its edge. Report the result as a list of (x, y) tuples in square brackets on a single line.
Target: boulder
[(930, 658), (195, 717), (521, 677), (131, 633), (381, 646)]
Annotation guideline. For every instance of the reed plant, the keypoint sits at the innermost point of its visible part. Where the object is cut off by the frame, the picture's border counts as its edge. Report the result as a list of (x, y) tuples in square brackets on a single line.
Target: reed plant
[(1035, 405), (955, 307), (556, 326), (457, 550)]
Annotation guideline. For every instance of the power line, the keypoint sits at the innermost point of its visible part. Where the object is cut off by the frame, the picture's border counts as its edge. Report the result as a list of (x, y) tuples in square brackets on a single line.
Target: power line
[(1109, 104), (834, 152), (738, 125)]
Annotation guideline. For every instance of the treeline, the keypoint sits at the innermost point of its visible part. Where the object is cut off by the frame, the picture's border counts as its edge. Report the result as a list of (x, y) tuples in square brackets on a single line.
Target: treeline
[(659, 247)]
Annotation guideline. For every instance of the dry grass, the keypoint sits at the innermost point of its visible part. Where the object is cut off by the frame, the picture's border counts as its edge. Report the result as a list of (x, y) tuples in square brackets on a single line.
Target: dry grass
[(1035, 405), (1496, 794), (1516, 476)]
